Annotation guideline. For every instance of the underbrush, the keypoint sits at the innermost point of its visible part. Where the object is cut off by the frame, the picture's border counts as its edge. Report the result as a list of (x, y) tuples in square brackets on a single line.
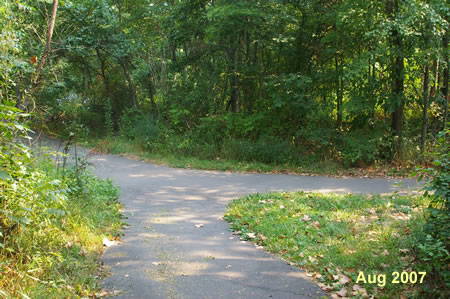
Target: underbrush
[(52, 220), (337, 237), (52, 232), (247, 140), (182, 153)]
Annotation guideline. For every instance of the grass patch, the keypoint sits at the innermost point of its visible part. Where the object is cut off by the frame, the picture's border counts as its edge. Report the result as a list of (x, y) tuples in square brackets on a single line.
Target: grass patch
[(334, 237), (135, 149), (56, 256)]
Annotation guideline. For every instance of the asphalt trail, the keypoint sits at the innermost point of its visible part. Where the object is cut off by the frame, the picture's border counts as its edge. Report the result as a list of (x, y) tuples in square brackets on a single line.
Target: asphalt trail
[(164, 254)]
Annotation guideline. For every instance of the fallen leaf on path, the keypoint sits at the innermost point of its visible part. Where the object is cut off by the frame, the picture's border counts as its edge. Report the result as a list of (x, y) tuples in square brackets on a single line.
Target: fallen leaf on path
[(199, 225), (108, 243), (317, 275), (325, 287)]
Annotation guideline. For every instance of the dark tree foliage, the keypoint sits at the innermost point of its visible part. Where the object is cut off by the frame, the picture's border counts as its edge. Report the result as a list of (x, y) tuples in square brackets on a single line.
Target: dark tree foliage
[(356, 81)]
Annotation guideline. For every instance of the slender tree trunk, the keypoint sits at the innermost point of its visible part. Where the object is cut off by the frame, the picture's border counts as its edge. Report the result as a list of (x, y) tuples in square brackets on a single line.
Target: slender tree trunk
[(47, 50), (260, 72), (445, 78), (104, 76), (19, 93), (151, 92), (338, 93), (131, 87), (234, 81), (426, 95)]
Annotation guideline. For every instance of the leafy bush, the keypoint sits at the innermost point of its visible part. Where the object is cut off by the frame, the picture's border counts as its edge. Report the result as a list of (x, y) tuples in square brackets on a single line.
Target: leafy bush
[(51, 225), (28, 195), (267, 150), (435, 247), (354, 148), (136, 125), (109, 124)]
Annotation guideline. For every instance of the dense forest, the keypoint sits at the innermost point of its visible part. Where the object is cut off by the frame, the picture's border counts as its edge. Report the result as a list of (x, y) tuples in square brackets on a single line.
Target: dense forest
[(278, 83), (354, 82)]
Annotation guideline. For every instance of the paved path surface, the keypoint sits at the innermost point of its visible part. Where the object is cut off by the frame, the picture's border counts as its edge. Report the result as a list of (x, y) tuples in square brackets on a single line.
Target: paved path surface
[(164, 255)]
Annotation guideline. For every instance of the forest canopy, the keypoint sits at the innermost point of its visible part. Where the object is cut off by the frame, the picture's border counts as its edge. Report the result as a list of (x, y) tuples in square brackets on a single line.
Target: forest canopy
[(358, 82)]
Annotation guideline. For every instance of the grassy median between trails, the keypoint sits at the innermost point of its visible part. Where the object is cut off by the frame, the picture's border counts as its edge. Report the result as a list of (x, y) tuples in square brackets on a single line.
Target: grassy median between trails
[(352, 245)]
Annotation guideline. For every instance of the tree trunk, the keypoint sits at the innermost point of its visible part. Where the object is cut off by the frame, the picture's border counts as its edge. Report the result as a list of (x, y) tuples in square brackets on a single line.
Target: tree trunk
[(426, 93), (426, 82), (397, 73), (260, 71), (338, 93), (234, 82), (44, 57), (445, 78), (131, 88), (104, 76)]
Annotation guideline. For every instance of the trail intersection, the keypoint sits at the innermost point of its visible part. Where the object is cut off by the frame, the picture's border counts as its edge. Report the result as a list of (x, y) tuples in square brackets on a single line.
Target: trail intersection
[(178, 246)]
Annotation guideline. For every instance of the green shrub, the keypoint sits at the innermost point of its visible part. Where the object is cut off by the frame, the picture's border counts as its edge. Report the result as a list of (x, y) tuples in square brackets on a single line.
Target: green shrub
[(434, 248), (267, 149), (136, 125), (109, 124), (353, 147), (52, 223)]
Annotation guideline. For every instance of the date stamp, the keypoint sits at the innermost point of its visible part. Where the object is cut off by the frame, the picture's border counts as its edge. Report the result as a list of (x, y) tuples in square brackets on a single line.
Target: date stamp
[(396, 277)]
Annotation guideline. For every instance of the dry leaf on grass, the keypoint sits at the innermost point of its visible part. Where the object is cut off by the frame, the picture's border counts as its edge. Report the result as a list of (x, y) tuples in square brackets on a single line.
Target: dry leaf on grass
[(357, 290), (342, 292), (344, 279), (251, 235), (316, 224), (311, 259), (306, 218)]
